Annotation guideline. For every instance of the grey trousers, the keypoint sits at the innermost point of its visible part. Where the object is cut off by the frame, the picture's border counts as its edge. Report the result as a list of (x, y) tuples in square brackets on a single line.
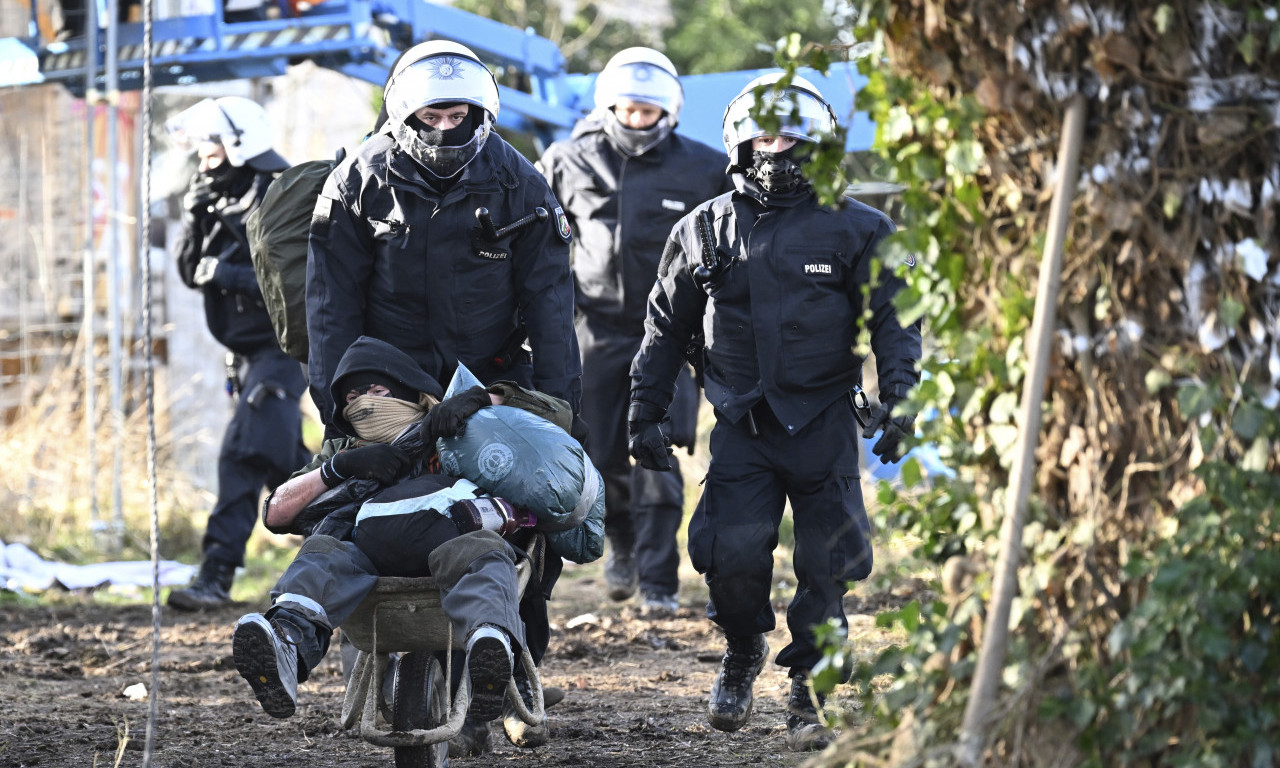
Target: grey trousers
[(329, 578)]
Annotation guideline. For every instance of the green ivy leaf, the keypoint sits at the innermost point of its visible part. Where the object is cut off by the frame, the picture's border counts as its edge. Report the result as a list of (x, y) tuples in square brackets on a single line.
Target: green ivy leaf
[(1231, 311), (1248, 48), (965, 158)]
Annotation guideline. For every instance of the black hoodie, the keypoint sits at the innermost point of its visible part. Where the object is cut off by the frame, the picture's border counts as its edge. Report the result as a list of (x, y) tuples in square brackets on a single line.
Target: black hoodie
[(369, 354)]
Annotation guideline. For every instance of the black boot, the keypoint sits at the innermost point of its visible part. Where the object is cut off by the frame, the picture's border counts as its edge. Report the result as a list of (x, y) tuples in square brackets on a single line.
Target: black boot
[(806, 729), (731, 695), (472, 740), (621, 576), (211, 588)]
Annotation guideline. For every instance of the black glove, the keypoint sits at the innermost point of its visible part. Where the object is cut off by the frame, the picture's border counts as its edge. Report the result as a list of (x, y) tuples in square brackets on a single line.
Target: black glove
[(889, 446), (199, 197), (380, 461), (648, 443), (207, 272), (449, 417), (580, 430)]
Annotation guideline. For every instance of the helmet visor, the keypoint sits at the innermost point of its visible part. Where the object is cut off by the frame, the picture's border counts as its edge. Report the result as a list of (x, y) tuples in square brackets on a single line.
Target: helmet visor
[(440, 79), (204, 122), (799, 114)]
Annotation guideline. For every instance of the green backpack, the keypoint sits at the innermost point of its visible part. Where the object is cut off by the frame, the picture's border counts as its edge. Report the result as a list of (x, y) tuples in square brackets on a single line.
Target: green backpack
[(277, 232)]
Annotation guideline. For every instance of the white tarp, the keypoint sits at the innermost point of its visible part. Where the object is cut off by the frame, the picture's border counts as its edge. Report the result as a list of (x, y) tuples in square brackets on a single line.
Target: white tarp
[(22, 570)]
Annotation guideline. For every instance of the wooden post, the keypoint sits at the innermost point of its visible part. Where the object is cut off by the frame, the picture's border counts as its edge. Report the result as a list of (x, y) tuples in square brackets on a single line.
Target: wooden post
[(1039, 342)]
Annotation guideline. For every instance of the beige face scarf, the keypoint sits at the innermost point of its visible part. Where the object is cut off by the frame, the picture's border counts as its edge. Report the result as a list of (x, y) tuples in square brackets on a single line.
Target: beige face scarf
[(381, 419)]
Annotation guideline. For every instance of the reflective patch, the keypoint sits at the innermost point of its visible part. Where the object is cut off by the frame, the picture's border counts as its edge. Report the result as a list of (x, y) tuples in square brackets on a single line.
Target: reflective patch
[(562, 225), (674, 205), (323, 206), (493, 254)]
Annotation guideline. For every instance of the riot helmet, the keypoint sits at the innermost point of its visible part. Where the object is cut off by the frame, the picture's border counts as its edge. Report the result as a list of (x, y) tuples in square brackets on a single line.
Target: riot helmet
[(238, 124), (440, 74), (639, 75), (804, 116)]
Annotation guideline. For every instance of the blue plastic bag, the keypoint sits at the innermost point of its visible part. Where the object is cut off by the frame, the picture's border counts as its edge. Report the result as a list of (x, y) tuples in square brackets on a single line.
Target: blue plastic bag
[(533, 463)]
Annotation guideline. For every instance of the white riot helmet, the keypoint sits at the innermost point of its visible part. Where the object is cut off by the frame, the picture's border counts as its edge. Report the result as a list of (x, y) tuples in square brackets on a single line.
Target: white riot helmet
[(805, 115), (440, 72), (238, 124), (640, 74), (643, 75)]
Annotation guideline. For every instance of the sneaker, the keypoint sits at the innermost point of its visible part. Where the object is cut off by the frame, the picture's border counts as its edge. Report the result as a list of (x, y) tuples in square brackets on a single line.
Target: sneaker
[(731, 693), (656, 604), (806, 729), (267, 657), (472, 740), (489, 664), (210, 589), (518, 731), (620, 574)]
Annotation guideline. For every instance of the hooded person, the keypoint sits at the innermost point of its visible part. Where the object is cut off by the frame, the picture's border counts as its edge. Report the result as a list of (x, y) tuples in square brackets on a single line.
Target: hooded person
[(405, 521), (373, 504), (263, 440), (625, 177)]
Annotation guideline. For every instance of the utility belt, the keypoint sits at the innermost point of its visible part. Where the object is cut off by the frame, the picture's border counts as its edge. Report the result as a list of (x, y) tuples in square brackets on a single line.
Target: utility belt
[(760, 411)]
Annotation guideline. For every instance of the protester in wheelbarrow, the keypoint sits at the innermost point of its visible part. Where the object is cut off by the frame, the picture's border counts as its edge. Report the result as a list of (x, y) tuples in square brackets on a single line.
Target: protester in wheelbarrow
[(373, 504)]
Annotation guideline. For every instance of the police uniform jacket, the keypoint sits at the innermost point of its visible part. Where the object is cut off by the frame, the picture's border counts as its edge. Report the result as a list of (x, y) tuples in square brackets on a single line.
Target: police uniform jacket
[(781, 313), (392, 258), (622, 208), (233, 307)]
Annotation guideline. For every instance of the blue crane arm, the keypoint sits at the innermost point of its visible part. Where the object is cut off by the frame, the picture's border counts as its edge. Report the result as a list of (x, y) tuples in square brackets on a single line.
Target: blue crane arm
[(358, 37), (362, 38)]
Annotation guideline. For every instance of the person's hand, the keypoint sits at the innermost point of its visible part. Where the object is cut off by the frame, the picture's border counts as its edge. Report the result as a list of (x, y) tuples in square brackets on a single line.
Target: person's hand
[(649, 445), (449, 417), (199, 196), (380, 461), (889, 447), (206, 272)]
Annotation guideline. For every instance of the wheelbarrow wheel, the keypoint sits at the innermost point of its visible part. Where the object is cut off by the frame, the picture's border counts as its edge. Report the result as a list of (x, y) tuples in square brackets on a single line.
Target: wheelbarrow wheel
[(421, 701)]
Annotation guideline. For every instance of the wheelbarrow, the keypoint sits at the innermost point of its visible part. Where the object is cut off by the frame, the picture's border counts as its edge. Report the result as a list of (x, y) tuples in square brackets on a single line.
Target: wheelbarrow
[(404, 616)]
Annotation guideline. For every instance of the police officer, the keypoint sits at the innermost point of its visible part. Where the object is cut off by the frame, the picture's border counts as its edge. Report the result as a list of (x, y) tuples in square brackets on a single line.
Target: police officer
[(263, 441), (781, 292), (625, 178), (439, 238), (400, 251)]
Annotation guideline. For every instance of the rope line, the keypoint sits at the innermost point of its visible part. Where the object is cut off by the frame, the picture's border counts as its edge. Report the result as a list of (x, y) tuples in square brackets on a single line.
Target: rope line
[(149, 379)]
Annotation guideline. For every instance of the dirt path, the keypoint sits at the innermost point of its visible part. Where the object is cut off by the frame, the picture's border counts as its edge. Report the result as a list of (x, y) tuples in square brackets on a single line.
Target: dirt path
[(636, 692)]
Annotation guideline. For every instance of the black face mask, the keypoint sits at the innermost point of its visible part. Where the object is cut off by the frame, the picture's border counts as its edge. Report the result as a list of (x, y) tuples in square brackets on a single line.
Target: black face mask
[(778, 172), (453, 137)]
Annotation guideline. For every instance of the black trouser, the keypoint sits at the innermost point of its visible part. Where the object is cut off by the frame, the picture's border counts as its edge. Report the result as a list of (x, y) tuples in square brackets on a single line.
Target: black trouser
[(261, 447), (643, 509), (734, 529)]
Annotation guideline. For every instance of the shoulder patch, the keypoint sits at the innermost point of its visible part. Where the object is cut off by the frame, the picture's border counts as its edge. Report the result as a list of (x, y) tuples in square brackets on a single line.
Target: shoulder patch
[(910, 261), (562, 225)]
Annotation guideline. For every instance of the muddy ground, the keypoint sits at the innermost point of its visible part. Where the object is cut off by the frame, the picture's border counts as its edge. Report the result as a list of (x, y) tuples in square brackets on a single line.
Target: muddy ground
[(636, 690)]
